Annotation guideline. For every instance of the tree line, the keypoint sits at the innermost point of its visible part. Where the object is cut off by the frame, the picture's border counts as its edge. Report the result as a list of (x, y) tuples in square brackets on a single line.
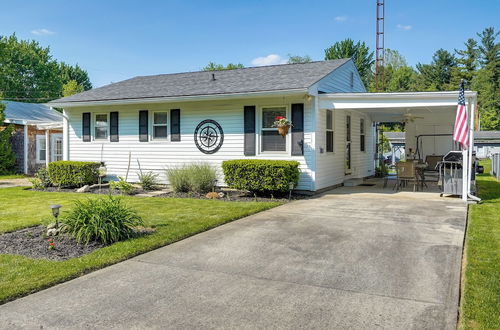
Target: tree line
[(478, 63), (28, 73)]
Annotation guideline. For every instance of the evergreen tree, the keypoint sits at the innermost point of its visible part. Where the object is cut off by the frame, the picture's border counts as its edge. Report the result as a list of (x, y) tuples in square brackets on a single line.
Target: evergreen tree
[(437, 76), (211, 66), (7, 156), (487, 81), (360, 54)]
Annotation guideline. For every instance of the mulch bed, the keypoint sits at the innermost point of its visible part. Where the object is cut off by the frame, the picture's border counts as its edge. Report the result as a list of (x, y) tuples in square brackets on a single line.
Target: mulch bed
[(236, 196), (33, 243), (102, 191), (229, 195)]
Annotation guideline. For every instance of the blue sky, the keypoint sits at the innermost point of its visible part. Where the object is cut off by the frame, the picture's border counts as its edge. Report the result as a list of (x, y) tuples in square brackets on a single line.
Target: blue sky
[(116, 40)]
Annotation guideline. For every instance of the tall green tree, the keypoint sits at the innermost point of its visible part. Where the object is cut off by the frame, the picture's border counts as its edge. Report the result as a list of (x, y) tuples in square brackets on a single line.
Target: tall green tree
[(72, 87), (359, 52), (398, 76), (27, 71), (7, 156), (467, 61), (437, 76), (76, 73), (292, 59), (487, 81), (211, 66)]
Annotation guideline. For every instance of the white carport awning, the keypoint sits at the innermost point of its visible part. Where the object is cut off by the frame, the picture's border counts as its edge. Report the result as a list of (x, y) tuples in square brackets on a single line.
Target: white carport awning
[(432, 113), (386, 107)]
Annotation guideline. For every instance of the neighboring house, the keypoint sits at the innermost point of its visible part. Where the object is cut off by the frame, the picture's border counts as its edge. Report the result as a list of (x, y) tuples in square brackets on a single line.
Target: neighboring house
[(37, 138), (486, 143), (397, 144), (168, 120)]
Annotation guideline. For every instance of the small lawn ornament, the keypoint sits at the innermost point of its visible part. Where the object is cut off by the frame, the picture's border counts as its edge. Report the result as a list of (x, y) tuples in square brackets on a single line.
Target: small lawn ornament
[(283, 125)]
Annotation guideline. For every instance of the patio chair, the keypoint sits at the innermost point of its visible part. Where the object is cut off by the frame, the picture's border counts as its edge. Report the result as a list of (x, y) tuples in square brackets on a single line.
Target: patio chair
[(431, 172), (406, 172)]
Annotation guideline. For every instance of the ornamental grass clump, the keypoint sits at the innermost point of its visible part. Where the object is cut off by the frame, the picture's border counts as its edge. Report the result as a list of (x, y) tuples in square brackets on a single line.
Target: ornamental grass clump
[(196, 178), (105, 220)]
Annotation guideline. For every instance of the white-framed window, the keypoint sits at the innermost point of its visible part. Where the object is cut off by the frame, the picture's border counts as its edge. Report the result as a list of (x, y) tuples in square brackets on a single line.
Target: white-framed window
[(329, 131), (57, 147), (362, 135), (160, 125), (101, 126), (41, 149), (270, 140)]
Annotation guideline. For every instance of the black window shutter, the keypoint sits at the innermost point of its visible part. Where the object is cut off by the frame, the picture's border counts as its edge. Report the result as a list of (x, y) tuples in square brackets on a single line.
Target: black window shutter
[(143, 126), (113, 126), (249, 129), (298, 129), (175, 125), (86, 126)]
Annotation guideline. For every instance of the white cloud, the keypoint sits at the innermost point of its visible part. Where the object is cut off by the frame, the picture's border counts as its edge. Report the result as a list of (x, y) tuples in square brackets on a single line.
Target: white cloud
[(340, 19), (270, 59), (404, 27), (42, 32)]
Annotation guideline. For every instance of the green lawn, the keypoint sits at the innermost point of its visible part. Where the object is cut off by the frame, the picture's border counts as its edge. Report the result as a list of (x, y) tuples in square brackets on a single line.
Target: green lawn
[(174, 219), (12, 176), (480, 302)]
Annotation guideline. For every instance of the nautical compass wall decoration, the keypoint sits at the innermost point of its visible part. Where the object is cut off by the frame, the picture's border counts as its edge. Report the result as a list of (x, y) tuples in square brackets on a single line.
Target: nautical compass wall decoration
[(208, 136)]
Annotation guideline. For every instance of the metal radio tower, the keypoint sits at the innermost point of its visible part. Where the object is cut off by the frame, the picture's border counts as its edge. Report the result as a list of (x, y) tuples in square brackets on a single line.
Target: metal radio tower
[(379, 47)]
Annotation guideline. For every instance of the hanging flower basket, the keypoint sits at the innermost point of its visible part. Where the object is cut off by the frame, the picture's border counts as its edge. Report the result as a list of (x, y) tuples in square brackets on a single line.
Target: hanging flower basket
[(282, 124), (283, 130)]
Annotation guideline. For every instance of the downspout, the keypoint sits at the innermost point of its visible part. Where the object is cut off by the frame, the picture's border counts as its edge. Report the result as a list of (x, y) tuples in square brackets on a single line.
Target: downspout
[(25, 145), (471, 148), (313, 140), (65, 135), (47, 150)]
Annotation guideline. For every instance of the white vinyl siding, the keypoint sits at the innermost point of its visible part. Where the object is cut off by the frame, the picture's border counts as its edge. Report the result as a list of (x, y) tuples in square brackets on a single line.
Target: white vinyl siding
[(330, 167), (156, 156), (343, 80)]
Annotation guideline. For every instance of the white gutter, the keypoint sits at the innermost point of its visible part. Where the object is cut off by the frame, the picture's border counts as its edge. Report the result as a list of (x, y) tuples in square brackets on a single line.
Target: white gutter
[(396, 95), (178, 98)]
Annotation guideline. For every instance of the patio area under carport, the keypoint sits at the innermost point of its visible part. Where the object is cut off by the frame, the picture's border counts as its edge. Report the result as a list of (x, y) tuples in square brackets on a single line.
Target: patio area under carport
[(429, 119)]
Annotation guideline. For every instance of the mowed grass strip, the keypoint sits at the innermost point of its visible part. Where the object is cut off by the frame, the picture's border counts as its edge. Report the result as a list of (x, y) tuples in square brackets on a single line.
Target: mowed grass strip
[(174, 219), (480, 302)]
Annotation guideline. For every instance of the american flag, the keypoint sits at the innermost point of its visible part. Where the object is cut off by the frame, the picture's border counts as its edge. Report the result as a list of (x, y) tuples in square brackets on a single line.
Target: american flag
[(461, 131)]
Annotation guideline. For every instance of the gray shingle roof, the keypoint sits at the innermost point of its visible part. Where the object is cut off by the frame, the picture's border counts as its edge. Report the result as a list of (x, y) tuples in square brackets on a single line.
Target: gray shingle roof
[(255, 79), (487, 135), (33, 113)]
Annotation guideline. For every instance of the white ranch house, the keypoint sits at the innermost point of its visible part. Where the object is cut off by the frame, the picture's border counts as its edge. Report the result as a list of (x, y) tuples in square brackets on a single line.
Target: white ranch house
[(162, 120)]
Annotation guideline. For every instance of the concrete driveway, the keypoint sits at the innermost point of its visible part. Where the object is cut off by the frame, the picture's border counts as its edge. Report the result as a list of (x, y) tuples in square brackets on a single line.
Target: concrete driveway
[(343, 260)]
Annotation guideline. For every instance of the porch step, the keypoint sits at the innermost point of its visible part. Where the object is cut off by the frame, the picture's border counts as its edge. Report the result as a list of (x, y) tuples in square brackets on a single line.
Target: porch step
[(353, 182)]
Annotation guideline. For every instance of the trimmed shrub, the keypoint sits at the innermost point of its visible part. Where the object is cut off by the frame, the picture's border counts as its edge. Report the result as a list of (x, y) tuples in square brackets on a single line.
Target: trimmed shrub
[(261, 176), (198, 178), (148, 180), (65, 173), (105, 220)]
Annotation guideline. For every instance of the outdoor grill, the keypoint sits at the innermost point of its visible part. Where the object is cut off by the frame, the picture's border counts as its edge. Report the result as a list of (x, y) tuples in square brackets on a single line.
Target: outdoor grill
[(450, 173)]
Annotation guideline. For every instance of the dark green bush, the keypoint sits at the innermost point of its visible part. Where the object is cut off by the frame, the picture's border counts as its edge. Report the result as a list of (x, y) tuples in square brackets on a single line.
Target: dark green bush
[(105, 220), (261, 176), (73, 174)]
